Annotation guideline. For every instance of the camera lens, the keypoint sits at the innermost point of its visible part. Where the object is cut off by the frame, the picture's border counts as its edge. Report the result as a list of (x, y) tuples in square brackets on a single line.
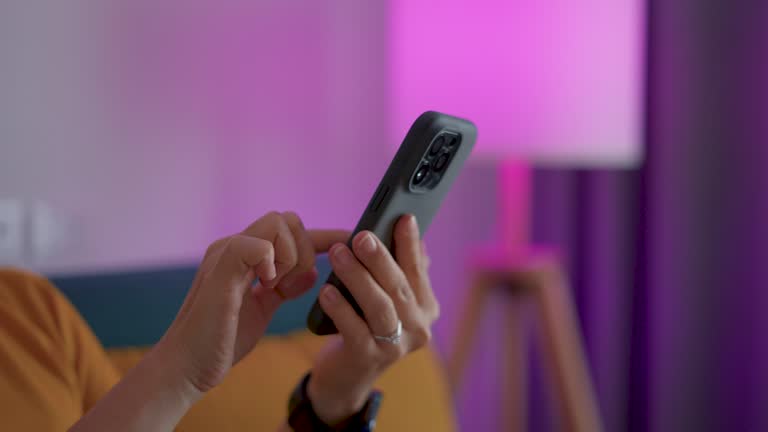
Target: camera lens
[(437, 145), (452, 140), (421, 174), (441, 161)]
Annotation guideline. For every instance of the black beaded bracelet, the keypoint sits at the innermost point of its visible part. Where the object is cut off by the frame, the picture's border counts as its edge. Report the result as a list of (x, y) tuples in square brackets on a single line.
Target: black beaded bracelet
[(302, 417)]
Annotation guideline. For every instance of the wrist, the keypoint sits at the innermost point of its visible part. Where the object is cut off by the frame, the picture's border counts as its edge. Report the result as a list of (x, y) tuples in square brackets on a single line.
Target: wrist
[(336, 404), (165, 362)]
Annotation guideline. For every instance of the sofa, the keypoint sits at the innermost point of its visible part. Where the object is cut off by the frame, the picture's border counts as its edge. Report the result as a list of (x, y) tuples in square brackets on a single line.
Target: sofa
[(129, 311)]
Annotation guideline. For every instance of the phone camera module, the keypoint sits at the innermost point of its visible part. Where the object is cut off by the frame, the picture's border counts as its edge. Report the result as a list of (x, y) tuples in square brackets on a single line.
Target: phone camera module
[(437, 145), (421, 174), (441, 161)]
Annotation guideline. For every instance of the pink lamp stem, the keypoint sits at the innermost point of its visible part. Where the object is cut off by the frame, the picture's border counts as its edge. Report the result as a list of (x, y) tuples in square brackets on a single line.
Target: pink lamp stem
[(514, 218)]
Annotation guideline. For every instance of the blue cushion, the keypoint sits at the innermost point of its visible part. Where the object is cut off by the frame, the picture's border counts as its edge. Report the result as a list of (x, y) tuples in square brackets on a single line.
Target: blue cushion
[(134, 308)]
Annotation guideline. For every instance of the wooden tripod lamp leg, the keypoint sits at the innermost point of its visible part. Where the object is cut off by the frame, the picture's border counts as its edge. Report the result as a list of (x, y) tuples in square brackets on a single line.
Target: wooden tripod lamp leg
[(514, 373), (477, 296), (563, 347), (514, 400)]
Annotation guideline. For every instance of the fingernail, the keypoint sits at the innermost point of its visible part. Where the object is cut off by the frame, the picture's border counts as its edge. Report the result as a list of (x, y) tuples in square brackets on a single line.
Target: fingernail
[(367, 243), (412, 225), (331, 294), (342, 254), (271, 273)]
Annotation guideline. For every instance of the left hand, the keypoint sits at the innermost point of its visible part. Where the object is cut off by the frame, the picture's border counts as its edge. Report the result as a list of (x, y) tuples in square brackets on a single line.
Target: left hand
[(222, 318), (387, 289), (224, 314)]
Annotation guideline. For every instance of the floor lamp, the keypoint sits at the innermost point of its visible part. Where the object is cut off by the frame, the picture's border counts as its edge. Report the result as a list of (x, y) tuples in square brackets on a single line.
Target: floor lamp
[(547, 85)]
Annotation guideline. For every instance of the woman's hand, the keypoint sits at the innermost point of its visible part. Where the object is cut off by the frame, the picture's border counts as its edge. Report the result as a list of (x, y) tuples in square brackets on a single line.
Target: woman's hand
[(222, 318), (225, 313), (388, 289)]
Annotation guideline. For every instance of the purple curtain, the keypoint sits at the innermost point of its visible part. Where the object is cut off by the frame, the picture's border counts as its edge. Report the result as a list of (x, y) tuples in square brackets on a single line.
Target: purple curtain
[(592, 216), (670, 262)]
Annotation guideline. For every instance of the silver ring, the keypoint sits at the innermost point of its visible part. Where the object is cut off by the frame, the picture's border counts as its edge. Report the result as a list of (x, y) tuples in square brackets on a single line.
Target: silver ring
[(395, 337)]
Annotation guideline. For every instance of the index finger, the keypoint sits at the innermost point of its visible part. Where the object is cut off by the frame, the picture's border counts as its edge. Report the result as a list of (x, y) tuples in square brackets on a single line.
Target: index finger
[(322, 240)]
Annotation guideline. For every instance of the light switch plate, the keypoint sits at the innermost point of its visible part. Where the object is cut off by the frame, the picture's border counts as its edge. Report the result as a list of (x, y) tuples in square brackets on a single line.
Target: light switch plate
[(11, 231)]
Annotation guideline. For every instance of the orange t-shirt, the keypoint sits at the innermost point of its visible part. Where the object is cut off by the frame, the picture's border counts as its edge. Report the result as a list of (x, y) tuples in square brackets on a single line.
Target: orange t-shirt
[(52, 367), (53, 370)]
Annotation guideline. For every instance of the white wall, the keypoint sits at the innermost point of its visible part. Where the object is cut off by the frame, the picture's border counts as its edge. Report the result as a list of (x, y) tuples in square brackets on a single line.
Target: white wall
[(143, 130)]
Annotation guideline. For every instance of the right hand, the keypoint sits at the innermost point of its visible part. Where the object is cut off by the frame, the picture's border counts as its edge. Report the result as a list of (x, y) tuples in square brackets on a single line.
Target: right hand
[(389, 287), (224, 315)]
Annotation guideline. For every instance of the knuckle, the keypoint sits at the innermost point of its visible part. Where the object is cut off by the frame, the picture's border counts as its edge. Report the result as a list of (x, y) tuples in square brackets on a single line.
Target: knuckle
[(292, 218), (277, 222), (228, 244), (273, 221), (273, 217), (403, 289), (216, 246)]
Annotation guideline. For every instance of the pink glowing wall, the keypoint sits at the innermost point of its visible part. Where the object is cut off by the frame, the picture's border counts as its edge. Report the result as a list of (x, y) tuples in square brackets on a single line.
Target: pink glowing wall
[(147, 129), (554, 81)]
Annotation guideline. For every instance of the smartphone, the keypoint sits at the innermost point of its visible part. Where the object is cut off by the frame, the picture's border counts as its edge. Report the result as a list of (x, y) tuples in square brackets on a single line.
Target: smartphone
[(421, 173)]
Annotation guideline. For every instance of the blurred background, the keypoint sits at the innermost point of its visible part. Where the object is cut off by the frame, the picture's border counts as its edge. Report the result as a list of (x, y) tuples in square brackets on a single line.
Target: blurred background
[(629, 136)]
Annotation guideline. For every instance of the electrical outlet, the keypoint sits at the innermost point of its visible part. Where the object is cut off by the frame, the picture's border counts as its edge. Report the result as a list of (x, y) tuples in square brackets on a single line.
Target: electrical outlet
[(47, 231), (11, 231)]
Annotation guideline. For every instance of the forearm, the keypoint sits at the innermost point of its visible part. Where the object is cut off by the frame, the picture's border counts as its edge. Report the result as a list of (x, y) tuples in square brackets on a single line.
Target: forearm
[(151, 397)]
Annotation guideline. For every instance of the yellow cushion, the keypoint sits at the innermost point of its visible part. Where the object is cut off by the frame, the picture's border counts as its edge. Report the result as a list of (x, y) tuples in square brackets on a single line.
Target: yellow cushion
[(253, 397)]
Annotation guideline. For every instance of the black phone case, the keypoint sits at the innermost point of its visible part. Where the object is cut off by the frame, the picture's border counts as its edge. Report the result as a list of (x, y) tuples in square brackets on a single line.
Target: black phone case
[(394, 196)]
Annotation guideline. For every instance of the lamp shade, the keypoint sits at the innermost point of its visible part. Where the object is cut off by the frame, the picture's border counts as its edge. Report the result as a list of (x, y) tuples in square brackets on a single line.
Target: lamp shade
[(549, 81)]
